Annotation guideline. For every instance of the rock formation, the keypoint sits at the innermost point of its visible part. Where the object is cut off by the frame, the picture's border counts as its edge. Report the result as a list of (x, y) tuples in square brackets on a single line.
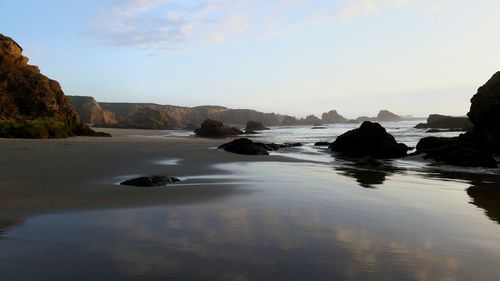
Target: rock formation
[(369, 140), (244, 146), (255, 126), (32, 105), (151, 181), (216, 129), (458, 151), (472, 149), (248, 147), (91, 112), (484, 113), (387, 116), (436, 121), (332, 117)]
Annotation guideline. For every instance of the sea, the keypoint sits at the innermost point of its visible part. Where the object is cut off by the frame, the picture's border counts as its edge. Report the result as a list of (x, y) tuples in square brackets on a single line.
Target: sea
[(316, 218)]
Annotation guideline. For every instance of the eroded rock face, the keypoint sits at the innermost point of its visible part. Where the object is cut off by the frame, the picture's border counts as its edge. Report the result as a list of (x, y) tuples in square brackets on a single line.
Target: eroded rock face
[(32, 105), (485, 113), (216, 129), (91, 112), (369, 140)]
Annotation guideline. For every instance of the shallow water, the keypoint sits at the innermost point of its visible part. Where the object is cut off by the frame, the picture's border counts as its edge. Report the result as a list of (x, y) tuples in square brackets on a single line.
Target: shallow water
[(326, 219)]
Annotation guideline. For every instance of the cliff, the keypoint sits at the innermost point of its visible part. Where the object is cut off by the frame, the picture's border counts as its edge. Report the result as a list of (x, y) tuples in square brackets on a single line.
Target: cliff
[(91, 112), (32, 105)]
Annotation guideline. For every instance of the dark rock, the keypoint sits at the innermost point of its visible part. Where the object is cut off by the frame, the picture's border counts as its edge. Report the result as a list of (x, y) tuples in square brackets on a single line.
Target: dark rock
[(458, 151), (151, 181), (322, 143), (436, 121), (250, 132), (318, 127), (32, 105), (215, 129), (245, 146), (485, 114), (369, 140), (255, 126)]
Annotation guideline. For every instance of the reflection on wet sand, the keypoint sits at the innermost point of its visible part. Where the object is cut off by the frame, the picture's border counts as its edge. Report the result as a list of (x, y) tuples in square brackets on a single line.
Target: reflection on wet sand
[(8, 223), (487, 196), (367, 174)]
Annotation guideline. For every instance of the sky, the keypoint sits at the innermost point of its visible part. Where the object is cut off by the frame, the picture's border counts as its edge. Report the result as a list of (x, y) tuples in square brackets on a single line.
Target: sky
[(298, 57)]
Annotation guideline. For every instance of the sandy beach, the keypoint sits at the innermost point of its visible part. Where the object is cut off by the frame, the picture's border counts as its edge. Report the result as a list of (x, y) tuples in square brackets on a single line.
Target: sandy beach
[(82, 172)]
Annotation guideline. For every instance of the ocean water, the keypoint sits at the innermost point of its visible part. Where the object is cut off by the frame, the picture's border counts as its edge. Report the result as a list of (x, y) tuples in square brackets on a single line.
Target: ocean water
[(319, 219)]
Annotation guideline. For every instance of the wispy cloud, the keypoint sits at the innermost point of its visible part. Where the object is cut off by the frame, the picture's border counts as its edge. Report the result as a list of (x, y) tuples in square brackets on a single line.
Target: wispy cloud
[(188, 24)]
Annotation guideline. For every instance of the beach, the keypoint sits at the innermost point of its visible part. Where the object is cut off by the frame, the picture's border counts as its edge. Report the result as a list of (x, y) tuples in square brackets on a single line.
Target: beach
[(64, 216)]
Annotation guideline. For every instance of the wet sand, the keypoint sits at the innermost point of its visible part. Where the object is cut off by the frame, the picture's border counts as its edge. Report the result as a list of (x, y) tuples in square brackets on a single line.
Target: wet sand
[(235, 217), (82, 172)]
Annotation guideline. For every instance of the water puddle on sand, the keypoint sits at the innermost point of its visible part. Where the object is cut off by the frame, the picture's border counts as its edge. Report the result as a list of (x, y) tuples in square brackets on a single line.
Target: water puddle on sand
[(283, 221)]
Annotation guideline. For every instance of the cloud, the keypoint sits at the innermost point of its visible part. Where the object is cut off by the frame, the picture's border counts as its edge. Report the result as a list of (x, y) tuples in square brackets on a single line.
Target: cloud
[(181, 24)]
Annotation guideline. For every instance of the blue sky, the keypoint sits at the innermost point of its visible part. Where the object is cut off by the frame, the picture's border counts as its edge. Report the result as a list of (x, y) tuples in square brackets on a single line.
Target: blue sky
[(288, 56)]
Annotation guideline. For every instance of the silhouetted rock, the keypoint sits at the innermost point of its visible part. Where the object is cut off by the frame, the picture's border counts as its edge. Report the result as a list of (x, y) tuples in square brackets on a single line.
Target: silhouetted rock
[(458, 151), (485, 114), (32, 105), (332, 117), (216, 129), (361, 119), (151, 181), (387, 116), (436, 121), (369, 140), (255, 126), (245, 146)]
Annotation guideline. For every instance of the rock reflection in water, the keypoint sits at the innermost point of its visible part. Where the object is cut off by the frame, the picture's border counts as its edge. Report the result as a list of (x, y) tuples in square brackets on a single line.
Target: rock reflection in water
[(5, 224), (367, 174), (487, 196)]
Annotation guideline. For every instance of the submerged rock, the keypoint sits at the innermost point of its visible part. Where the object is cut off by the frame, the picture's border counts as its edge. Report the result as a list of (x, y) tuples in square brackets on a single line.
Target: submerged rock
[(255, 126), (369, 140), (151, 181), (216, 129), (246, 147)]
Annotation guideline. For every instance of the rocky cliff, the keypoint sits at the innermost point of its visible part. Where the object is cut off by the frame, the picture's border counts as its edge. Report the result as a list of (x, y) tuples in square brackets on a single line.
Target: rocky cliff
[(91, 112), (32, 105)]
